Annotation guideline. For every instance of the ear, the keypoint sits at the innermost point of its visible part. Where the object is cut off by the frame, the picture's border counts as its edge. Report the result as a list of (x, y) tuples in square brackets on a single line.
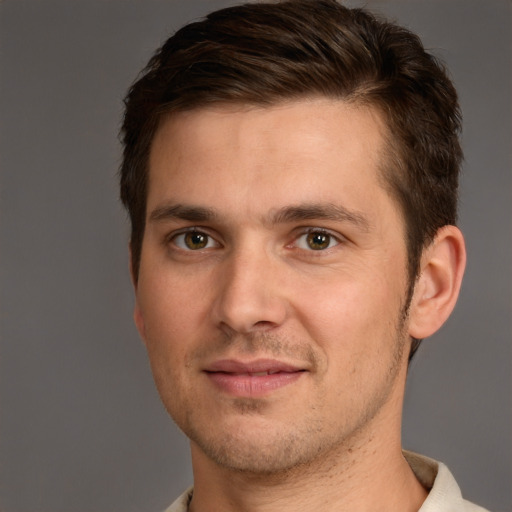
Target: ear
[(139, 321), (137, 313), (438, 284)]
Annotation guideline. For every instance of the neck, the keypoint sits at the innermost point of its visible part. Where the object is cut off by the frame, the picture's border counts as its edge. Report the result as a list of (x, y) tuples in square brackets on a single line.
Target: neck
[(369, 476)]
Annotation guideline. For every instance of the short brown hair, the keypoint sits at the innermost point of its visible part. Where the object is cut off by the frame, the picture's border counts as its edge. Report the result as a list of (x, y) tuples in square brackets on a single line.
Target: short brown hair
[(264, 53)]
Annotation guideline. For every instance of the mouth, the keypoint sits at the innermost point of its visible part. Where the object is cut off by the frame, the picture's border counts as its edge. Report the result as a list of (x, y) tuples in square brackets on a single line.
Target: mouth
[(252, 379)]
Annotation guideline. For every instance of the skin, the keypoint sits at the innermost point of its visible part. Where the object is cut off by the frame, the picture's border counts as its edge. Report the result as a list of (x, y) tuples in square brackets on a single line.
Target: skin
[(270, 237)]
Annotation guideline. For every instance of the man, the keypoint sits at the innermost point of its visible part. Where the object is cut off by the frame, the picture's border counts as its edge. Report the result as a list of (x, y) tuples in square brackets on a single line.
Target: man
[(291, 171)]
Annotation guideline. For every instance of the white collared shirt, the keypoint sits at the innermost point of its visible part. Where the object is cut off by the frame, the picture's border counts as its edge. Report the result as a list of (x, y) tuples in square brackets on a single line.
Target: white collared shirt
[(444, 495)]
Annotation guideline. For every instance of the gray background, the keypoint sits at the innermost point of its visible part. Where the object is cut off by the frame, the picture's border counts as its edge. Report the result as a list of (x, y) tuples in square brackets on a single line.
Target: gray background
[(81, 426)]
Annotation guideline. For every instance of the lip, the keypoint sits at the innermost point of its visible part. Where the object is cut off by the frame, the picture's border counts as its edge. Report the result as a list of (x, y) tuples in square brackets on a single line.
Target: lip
[(254, 378)]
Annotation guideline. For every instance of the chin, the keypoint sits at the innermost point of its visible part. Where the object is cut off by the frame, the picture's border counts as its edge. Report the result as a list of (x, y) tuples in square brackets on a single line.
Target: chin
[(260, 449), (254, 458)]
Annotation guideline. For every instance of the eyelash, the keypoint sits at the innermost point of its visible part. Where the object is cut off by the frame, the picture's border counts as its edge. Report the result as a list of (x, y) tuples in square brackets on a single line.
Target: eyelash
[(318, 231), (191, 231), (333, 239)]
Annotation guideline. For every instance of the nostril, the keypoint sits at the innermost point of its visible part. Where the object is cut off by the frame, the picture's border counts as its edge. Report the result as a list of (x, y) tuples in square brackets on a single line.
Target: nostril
[(263, 324)]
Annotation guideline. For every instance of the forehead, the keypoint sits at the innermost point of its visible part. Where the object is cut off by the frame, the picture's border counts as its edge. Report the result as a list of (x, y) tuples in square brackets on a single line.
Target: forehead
[(308, 150)]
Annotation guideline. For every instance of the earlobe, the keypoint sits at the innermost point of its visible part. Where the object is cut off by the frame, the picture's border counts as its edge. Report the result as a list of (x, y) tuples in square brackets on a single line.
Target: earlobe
[(139, 321), (438, 285)]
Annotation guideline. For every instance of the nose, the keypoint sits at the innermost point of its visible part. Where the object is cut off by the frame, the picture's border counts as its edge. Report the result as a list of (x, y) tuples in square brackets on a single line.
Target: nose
[(251, 297)]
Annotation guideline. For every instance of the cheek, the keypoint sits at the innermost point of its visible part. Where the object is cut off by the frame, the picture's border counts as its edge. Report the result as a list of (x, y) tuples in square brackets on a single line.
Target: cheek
[(169, 313), (168, 300), (350, 316), (337, 302), (170, 321)]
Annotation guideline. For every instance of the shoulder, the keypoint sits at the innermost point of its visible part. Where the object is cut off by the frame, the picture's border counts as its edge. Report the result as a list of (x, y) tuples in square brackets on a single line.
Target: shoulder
[(181, 504), (471, 507), (445, 495)]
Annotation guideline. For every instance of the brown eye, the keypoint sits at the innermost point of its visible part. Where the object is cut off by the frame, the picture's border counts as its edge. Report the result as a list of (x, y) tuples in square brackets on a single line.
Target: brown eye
[(194, 241), (318, 241)]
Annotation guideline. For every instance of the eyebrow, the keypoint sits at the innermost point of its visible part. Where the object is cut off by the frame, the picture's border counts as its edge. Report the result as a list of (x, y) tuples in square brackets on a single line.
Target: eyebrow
[(183, 212), (321, 211), (294, 213)]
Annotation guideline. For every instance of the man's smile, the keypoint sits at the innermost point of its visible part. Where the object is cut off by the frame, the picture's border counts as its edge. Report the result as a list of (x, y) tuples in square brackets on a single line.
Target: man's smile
[(252, 379)]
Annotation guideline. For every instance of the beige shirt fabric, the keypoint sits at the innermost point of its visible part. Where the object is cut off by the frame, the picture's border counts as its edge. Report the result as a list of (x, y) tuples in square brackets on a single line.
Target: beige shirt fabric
[(444, 495)]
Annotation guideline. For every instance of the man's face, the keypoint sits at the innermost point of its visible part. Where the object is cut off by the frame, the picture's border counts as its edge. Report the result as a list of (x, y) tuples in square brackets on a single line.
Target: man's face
[(272, 282)]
